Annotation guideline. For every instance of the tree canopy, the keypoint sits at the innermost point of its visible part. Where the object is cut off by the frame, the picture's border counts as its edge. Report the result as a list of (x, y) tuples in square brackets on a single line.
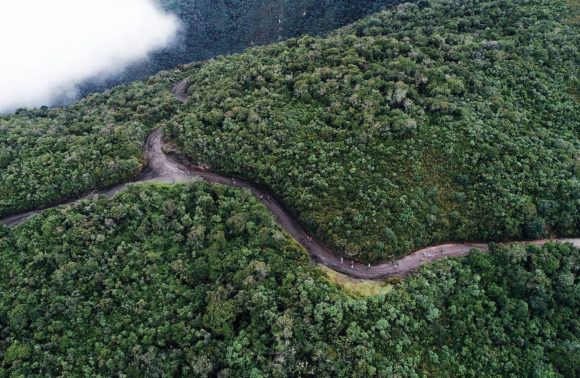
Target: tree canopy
[(435, 121), (218, 27), (48, 155), (197, 280)]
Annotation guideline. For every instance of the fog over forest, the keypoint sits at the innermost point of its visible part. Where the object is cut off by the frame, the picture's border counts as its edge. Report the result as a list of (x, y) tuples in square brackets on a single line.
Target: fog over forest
[(51, 46)]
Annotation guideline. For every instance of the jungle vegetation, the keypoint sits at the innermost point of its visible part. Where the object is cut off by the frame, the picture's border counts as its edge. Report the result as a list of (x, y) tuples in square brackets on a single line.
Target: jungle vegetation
[(198, 280), (434, 121), (218, 27), (428, 123), (47, 155), (225, 27)]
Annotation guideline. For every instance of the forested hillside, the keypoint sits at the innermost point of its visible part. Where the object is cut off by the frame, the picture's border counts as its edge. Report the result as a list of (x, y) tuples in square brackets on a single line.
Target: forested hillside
[(425, 124), (435, 121), (224, 27), (47, 155), (213, 27), (197, 280)]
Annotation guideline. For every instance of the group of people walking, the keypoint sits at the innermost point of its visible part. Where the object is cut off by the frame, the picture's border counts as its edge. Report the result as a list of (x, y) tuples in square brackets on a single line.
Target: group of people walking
[(352, 263), (309, 238)]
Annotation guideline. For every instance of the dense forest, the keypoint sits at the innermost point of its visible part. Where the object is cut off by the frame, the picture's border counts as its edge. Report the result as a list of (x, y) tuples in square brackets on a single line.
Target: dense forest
[(221, 27), (434, 121), (225, 27), (197, 280), (429, 123), (47, 155), (437, 120)]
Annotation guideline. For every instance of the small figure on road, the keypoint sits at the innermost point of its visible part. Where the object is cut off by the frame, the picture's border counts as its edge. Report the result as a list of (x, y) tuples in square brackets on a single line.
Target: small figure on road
[(368, 266), (351, 265), (310, 238), (341, 260)]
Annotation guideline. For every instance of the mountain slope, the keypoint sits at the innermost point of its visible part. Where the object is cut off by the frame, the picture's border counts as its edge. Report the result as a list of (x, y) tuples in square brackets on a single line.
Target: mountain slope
[(48, 155), (213, 27), (197, 280), (433, 122)]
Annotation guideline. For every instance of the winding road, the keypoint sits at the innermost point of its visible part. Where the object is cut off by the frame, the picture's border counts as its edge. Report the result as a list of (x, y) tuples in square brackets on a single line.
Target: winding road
[(179, 90), (164, 168)]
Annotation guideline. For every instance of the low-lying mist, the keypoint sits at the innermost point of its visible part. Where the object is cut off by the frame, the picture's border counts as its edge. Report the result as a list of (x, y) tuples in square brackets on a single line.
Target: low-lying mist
[(49, 46)]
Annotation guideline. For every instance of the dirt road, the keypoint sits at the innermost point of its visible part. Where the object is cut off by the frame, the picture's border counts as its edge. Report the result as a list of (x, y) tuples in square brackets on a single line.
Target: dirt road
[(164, 168), (179, 89)]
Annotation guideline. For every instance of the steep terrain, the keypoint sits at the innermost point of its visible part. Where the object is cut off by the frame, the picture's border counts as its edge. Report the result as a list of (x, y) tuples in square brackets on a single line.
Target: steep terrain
[(401, 131), (434, 122), (163, 168), (197, 280), (217, 27)]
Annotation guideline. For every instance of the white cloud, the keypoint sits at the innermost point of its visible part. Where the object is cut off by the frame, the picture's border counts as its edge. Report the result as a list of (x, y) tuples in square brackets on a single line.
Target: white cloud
[(48, 46)]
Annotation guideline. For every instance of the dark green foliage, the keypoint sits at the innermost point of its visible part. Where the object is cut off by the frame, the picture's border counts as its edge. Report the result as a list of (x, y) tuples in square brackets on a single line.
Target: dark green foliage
[(50, 155), (222, 27), (535, 228), (197, 280), (214, 27), (442, 120), (436, 121)]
